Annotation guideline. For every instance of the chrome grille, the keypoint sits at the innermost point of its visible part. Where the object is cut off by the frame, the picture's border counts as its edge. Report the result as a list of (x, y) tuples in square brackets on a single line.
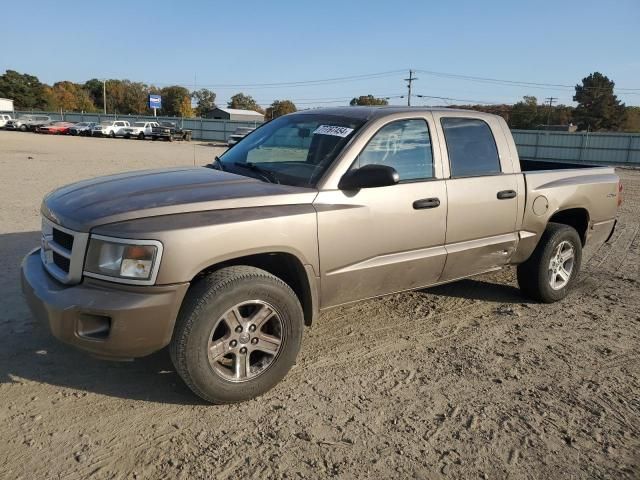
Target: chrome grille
[(62, 251)]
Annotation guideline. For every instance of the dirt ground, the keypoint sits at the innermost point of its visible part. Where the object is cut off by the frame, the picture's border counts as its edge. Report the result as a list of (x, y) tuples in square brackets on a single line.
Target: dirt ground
[(469, 380)]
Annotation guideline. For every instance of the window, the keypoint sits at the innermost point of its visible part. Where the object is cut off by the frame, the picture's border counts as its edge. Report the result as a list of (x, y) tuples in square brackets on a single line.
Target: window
[(404, 145), (471, 146)]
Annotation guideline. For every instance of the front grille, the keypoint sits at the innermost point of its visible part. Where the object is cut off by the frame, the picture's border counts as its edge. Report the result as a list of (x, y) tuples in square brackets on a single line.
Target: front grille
[(65, 240), (62, 262), (62, 251)]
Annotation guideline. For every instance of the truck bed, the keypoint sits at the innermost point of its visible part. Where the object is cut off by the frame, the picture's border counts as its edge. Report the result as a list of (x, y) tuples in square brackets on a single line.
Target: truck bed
[(541, 165)]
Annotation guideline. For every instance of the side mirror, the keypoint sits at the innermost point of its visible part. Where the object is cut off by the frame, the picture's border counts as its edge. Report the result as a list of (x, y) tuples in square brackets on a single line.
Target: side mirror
[(369, 176)]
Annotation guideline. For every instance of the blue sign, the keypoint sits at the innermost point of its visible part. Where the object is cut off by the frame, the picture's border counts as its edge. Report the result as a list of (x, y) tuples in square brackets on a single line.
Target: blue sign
[(155, 101)]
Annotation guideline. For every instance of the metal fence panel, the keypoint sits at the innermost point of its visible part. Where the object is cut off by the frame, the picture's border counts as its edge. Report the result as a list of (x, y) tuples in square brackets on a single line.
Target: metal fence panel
[(603, 148)]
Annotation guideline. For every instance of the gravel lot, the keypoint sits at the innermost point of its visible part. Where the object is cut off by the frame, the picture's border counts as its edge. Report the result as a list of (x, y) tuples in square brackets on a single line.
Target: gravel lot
[(469, 380)]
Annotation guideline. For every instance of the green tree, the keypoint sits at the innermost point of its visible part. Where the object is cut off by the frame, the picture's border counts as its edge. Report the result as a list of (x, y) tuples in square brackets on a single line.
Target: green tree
[(368, 100), (527, 114), (244, 102), (279, 108), (632, 120), (173, 101), (598, 107), (25, 90), (205, 101)]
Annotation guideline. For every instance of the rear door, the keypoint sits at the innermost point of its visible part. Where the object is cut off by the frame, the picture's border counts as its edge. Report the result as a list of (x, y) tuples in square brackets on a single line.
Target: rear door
[(381, 240), (482, 191)]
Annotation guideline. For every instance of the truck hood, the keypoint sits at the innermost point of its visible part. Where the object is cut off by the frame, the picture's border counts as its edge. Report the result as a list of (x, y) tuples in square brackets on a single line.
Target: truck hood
[(148, 193)]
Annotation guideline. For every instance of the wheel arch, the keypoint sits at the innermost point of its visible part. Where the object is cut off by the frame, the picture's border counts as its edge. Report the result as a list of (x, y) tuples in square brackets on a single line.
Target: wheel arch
[(578, 218), (284, 265)]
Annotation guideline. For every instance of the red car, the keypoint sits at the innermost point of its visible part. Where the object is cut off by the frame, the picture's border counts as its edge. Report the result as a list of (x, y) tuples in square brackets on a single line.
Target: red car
[(56, 128)]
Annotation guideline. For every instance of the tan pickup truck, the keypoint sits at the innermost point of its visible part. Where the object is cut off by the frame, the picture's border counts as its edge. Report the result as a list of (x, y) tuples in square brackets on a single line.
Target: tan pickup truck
[(227, 263)]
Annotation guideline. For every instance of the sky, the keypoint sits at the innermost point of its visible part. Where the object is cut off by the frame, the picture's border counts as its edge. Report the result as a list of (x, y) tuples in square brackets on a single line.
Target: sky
[(250, 45)]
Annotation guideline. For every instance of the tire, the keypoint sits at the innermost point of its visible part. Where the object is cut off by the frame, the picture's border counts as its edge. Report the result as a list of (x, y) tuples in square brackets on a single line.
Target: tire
[(536, 275), (141, 136), (170, 138), (154, 138), (127, 136), (208, 303), (23, 128), (112, 134)]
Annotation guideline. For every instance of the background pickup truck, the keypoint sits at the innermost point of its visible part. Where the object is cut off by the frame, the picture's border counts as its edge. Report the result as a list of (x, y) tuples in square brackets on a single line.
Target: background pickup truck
[(312, 210), (170, 131), (139, 130), (109, 128)]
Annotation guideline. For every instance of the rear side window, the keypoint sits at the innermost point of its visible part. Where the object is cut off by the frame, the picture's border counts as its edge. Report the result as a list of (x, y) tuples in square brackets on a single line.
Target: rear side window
[(471, 146)]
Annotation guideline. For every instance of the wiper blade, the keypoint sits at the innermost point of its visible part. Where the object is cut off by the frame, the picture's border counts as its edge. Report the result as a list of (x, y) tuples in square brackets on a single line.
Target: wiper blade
[(267, 175), (216, 164)]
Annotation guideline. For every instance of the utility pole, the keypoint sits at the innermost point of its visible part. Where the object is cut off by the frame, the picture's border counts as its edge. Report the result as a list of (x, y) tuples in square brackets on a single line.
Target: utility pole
[(409, 82), (104, 95), (550, 100)]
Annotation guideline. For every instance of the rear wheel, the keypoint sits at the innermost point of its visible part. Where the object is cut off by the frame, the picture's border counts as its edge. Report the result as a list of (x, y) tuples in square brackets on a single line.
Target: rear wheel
[(141, 136), (23, 128), (237, 335), (553, 267)]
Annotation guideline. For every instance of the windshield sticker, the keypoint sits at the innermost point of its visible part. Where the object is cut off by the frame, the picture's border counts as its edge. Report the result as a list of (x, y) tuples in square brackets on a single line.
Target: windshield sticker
[(333, 130)]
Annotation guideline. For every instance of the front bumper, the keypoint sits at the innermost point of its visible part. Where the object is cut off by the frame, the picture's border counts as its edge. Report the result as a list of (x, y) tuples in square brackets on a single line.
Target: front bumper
[(107, 320)]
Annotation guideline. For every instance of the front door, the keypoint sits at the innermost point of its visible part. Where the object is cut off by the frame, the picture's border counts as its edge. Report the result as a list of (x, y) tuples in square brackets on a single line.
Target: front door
[(382, 240)]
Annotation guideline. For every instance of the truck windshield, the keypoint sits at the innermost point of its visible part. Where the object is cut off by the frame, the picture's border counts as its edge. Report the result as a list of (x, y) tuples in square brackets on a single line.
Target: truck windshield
[(292, 150)]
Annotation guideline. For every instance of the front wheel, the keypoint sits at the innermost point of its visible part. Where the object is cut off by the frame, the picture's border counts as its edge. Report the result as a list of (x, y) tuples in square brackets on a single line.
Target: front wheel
[(141, 136), (553, 267), (112, 134), (237, 335)]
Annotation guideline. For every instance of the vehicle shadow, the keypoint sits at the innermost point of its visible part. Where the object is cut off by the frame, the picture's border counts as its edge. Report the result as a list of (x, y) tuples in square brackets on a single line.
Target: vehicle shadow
[(28, 352), (479, 289)]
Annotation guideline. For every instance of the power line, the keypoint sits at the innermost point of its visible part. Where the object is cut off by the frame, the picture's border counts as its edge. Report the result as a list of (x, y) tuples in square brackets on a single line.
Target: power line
[(298, 83), (519, 83), (461, 100)]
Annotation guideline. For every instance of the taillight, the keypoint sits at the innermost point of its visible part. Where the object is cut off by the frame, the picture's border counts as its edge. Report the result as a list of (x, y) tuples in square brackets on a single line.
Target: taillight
[(619, 192)]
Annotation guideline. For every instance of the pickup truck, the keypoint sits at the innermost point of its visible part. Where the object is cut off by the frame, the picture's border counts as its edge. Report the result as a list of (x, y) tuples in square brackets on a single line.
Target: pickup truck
[(170, 131), (312, 210), (109, 128), (139, 130)]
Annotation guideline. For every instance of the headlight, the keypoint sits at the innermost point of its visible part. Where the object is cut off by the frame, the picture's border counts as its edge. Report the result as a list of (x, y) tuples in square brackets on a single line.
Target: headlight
[(124, 261)]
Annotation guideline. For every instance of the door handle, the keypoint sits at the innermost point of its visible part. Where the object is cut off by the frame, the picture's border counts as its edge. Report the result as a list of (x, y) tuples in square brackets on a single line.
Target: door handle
[(505, 194), (426, 203)]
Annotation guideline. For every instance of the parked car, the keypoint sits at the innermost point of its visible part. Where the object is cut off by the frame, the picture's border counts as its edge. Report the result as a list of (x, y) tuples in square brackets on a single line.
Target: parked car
[(323, 208), (139, 130), (238, 135), (82, 128), (56, 128), (4, 118), (109, 128), (170, 131), (28, 122)]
